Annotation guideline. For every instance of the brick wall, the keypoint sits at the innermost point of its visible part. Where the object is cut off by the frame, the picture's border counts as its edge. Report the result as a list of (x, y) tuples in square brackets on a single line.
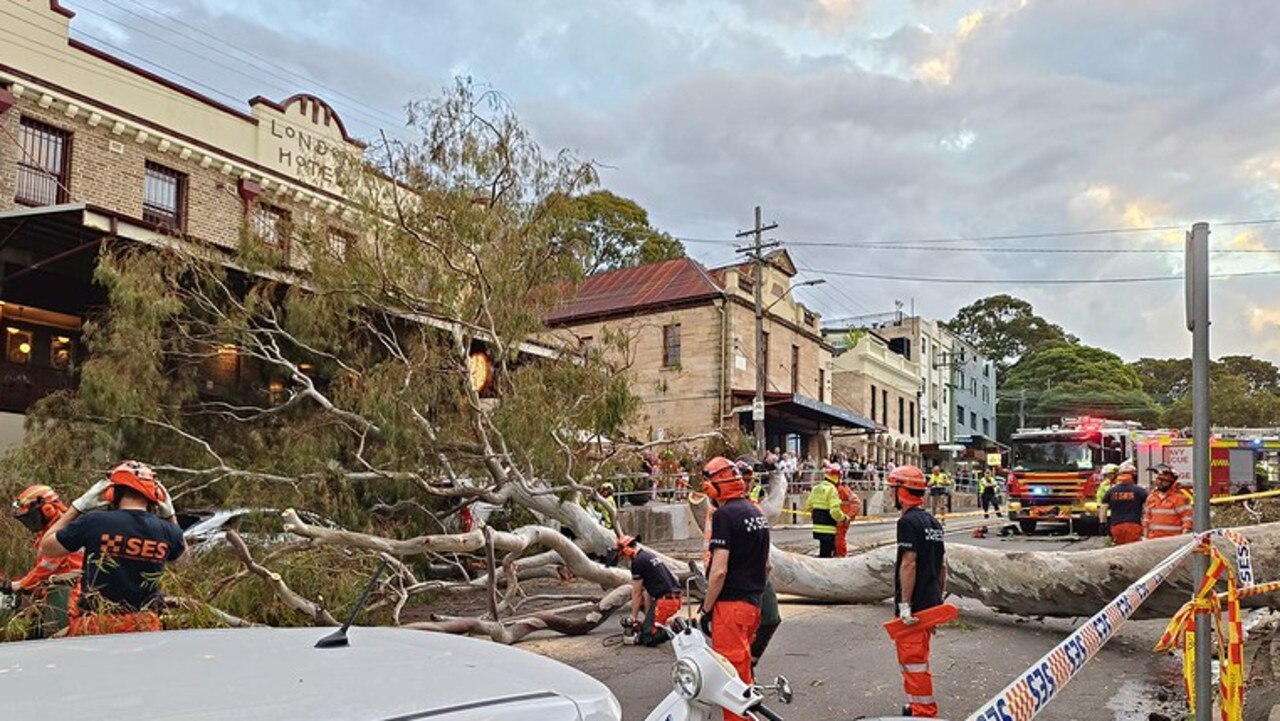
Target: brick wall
[(8, 157)]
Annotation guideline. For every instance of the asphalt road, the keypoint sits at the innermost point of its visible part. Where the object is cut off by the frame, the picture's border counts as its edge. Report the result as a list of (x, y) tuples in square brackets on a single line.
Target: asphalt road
[(842, 665)]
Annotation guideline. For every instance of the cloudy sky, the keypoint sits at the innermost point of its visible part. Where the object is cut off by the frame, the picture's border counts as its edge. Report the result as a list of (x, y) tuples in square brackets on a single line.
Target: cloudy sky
[(852, 122)]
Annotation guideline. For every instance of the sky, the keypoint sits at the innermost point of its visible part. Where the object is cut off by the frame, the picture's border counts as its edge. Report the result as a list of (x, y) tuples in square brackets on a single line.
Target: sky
[(918, 127)]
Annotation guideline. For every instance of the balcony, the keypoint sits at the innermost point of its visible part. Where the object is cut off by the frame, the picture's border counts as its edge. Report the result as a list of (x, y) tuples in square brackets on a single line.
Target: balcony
[(22, 384)]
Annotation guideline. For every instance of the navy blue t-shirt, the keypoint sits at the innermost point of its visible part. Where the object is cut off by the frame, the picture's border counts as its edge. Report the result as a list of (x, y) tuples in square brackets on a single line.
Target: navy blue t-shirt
[(740, 528), (124, 556), (657, 579)]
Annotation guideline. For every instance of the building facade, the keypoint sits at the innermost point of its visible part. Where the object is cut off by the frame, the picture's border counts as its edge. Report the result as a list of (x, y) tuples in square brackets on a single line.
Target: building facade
[(974, 380), (871, 378), (690, 349)]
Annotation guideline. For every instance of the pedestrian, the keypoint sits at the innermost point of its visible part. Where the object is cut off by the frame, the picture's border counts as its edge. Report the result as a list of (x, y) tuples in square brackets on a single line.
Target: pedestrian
[(655, 593), (823, 503), (126, 548), (1167, 511), (850, 506), (602, 505), (939, 492), (1122, 508), (988, 488), (920, 582), (739, 569)]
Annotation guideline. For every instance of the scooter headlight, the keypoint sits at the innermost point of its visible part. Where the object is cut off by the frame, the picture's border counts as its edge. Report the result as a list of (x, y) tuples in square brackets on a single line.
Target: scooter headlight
[(687, 679)]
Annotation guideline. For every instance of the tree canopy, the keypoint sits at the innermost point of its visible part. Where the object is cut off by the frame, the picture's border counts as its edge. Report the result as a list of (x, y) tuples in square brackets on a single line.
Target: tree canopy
[(608, 231), (1069, 379), (1005, 328)]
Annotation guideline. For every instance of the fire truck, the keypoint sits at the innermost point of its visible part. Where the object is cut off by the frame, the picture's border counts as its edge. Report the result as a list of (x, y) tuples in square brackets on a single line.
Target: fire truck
[(1056, 470)]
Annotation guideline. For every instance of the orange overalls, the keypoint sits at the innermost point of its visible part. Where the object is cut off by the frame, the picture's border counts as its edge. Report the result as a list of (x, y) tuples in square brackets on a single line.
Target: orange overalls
[(733, 626), (1167, 514), (851, 506), (47, 567), (94, 624)]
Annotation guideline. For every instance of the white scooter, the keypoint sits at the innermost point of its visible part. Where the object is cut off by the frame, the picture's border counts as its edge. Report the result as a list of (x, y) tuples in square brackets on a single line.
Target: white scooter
[(706, 684)]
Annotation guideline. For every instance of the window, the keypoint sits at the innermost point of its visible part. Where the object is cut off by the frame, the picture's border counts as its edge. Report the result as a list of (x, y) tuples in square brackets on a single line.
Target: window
[(795, 369), (61, 353), (873, 404), (164, 196), (42, 164), (884, 407), (986, 427), (973, 387), (973, 420), (671, 345), (959, 414), (272, 226), (902, 416), (961, 379), (340, 243), (18, 345), (912, 422), (986, 394), (986, 369), (822, 385)]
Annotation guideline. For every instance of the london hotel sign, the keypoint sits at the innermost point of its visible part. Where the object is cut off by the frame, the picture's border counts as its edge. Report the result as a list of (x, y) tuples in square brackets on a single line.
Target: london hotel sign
[(303, 138)]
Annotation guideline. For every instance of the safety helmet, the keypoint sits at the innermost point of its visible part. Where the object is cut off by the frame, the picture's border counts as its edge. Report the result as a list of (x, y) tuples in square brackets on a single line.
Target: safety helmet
[(37, 506), (832, 472), (908, 477), (626, 546), (137, 477), (1110, 470), (606, 487), (1163, 471), (721, 480), (747, 466), (1127, 468)]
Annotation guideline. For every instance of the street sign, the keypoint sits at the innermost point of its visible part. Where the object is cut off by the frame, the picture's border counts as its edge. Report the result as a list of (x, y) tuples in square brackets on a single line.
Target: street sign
[(757, 410), (993, 459)]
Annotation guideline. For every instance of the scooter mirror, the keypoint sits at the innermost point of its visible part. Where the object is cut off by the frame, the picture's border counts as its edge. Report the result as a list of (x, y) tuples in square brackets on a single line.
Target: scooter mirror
[(783, 687)]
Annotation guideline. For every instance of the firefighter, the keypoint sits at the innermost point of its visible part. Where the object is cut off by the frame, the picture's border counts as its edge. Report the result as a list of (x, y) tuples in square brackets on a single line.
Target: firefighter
[(655, 593), (739, 566), (37, 508), (1122, 508), (850, 506), (920, 582), (770, 615), (988, 493), (939, 492), (824, 503), (129, 532), (1167, 511), (1107, 479)]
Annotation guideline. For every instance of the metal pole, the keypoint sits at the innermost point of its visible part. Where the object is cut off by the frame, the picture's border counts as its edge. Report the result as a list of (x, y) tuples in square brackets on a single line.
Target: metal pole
[(757, 412), (1197, 269)]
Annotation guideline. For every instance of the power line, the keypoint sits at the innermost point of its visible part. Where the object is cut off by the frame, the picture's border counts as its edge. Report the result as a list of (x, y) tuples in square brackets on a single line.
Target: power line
[(1031, 281)]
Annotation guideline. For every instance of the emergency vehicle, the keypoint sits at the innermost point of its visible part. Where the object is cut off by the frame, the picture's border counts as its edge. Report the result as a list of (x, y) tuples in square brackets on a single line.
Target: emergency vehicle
[(1056, 470)]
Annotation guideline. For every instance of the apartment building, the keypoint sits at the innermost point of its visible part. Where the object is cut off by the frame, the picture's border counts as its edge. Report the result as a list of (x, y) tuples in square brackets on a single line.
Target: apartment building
[(870, 377)]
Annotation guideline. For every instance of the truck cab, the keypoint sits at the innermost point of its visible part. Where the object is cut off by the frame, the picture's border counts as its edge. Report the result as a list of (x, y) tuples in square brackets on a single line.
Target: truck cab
[(1056, 471)]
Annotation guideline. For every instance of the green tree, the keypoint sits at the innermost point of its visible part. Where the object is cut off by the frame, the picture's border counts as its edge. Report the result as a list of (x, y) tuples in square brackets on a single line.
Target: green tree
[(608, 231), (1005, 328), (1259, 375), (1166, 379), (1069, 379), (1232, 402)]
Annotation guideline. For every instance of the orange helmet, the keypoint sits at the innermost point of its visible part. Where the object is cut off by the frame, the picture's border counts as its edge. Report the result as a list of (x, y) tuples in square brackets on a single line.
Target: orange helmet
[(137, 477), (38, 506), (626, 546), (832, 472), (908, 477), (721, 480)]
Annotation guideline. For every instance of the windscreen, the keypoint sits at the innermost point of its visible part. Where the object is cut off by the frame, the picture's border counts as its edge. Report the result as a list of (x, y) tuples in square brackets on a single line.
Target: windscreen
[(1052, 456)]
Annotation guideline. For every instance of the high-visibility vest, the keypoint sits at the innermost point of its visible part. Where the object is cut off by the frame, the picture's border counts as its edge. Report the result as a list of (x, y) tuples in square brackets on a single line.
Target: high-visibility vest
[(988, 482), (1102, 490), (939, 479), (824, 505)]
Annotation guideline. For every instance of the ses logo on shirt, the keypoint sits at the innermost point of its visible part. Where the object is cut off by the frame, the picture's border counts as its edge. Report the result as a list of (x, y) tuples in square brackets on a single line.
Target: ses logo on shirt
[(755, 523), (142, 549), (933, 535)]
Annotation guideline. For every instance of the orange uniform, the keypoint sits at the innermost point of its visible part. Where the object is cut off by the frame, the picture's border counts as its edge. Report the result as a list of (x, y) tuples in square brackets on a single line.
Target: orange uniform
[(850, 506), (1167, 513), (47, 567)]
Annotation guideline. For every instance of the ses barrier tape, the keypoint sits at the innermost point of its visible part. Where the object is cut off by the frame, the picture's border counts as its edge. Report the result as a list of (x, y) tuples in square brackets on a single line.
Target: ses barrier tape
[(1032, 691)]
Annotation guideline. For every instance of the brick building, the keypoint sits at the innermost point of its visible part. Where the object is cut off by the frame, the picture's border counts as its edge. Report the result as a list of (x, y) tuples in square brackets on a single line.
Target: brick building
[(691, 349)]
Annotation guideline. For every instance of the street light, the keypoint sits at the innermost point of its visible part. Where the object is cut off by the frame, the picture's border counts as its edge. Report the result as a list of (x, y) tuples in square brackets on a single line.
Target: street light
[(757, 408)]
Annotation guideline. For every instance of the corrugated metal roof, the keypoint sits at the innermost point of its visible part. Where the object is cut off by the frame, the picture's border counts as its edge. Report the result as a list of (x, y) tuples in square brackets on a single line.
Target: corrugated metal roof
[(632, 290)]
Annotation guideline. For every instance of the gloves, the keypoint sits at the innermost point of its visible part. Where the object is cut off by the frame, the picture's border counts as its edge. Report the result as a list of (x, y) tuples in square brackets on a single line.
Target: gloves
[(91, 500), (904, 613), (164, 509)]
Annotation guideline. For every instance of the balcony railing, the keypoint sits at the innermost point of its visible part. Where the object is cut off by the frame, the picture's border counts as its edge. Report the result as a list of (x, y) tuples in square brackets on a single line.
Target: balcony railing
[(23, 384)]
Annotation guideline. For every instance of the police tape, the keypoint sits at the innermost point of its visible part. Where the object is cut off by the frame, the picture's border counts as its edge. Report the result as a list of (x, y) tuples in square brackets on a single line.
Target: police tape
[(1036, 687), (1219, 500)]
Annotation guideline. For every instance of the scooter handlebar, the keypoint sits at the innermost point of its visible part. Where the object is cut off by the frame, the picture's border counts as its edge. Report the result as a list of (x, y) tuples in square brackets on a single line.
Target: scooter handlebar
[(763, 711)]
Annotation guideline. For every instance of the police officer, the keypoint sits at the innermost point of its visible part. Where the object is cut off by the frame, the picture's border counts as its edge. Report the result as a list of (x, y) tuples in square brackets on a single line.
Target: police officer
[(988, 490)]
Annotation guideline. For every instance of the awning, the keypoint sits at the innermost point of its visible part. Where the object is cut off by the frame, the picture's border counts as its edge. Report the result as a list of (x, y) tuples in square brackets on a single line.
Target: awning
[(801, 411)]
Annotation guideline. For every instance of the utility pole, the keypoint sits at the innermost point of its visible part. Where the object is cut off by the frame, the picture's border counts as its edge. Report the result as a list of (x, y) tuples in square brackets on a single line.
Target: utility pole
[(756, 252), (1196, 271), (1022, 408)]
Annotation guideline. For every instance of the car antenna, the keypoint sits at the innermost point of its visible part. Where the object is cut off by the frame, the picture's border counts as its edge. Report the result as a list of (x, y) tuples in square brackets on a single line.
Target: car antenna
[(338, 638)]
